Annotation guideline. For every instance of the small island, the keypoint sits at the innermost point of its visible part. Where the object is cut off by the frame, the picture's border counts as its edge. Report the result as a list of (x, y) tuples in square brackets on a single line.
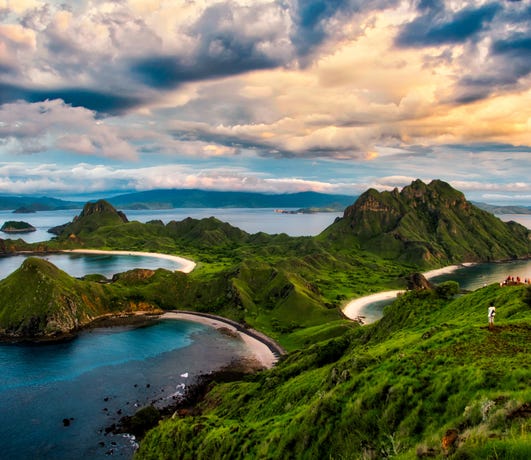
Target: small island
[(24, 210), (12, 226)]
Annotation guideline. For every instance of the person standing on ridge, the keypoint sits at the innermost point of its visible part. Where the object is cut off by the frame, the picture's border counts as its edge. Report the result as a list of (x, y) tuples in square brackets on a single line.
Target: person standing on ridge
[(491, 315)]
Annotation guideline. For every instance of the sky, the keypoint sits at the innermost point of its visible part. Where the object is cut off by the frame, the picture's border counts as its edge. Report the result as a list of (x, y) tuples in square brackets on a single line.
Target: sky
[(334, 96)]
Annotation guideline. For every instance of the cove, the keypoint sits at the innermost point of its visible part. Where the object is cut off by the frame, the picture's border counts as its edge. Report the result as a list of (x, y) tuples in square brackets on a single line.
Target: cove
[(81, 264), (95, 379), (370, 308)]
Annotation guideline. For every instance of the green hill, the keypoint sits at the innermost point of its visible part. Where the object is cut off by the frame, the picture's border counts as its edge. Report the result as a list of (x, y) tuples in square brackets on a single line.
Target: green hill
[(93, 216), (13, 226), (428, 224), (393, 389), (45, 302)]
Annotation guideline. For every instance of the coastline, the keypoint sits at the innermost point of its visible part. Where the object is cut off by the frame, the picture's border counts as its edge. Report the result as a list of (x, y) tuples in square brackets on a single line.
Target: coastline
[(354, 309), (260, 346), (187, 264)]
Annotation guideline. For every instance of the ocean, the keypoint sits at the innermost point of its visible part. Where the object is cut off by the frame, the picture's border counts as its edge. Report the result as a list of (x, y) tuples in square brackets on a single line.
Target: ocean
[(94, 380), (251, 220)]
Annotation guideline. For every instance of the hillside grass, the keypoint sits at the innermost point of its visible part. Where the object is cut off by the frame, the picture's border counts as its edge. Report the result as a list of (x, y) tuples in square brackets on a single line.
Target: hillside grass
[(391, 389)]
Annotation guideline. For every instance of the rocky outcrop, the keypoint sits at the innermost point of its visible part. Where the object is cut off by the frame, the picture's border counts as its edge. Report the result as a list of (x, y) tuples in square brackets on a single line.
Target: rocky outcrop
[(417, 281)]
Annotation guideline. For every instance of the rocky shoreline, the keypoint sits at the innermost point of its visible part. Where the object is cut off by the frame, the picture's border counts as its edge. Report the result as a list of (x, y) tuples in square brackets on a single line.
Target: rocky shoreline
[(149, 416)]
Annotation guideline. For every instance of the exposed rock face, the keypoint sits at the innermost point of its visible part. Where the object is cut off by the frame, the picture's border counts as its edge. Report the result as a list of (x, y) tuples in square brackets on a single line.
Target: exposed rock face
[(417, 281), (429, 223)]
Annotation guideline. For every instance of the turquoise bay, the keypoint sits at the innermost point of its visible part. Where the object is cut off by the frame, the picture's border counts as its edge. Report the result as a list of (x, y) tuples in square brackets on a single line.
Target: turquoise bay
[(94, 380)]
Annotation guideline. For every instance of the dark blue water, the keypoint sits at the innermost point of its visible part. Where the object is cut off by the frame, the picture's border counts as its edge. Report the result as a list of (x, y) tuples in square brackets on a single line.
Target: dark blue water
[(79, 265), (94, 380)]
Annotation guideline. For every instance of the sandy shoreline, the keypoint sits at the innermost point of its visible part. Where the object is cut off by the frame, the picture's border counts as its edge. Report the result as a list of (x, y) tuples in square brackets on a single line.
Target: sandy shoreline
[(187, 265), (354, 310), (259, 349), (445, 270)]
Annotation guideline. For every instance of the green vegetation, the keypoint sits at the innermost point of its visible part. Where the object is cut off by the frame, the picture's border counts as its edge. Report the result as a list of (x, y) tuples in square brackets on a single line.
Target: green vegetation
[(42, 301), (392, 389), (428, 224), (13, 226)]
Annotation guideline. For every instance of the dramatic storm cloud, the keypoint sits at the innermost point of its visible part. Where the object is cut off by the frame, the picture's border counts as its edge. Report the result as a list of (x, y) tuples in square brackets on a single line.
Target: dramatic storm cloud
[(285, 95)]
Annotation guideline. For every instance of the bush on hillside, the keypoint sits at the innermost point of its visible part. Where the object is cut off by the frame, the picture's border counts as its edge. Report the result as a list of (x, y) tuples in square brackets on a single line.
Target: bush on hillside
[(447, 289)]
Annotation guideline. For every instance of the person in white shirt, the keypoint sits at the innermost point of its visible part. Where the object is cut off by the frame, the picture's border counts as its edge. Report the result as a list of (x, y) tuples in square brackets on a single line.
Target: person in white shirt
[(491, 314)]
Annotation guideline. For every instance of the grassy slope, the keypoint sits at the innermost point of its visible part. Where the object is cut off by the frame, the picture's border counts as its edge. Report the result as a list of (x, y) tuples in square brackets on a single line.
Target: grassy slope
[(278, 284), (39, 299), (390, 389)]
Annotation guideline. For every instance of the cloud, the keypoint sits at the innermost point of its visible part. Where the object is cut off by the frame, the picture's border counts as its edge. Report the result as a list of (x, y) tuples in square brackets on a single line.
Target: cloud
[(229, 39), (19, 178), (438, 26), (38, 127), (380, 89)]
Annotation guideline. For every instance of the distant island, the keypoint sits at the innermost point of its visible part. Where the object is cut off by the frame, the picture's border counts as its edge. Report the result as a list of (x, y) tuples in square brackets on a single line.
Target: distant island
[(499, 209), (24, 210), (13, 226)]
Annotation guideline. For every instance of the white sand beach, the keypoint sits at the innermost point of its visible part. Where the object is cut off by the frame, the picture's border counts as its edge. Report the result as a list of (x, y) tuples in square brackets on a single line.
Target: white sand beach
[(187, 265), (354, 309), (260, 350), (445, 270)]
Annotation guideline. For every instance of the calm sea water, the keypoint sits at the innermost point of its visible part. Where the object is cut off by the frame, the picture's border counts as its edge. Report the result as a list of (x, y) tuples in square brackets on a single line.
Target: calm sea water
[(250, 220), (79, 265), (476, 276), (94, 380)]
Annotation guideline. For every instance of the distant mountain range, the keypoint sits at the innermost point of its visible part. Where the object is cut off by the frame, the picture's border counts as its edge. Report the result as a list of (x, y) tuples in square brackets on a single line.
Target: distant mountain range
[(495, 209), (163, 199), (193, 198), (28, 204), (167, 199)]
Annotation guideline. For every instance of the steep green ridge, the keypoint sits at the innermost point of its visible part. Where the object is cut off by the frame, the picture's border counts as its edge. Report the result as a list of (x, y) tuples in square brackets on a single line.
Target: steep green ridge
[(392, 389), (426, 224), (343, 391), (292, 288), (41, 301)]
